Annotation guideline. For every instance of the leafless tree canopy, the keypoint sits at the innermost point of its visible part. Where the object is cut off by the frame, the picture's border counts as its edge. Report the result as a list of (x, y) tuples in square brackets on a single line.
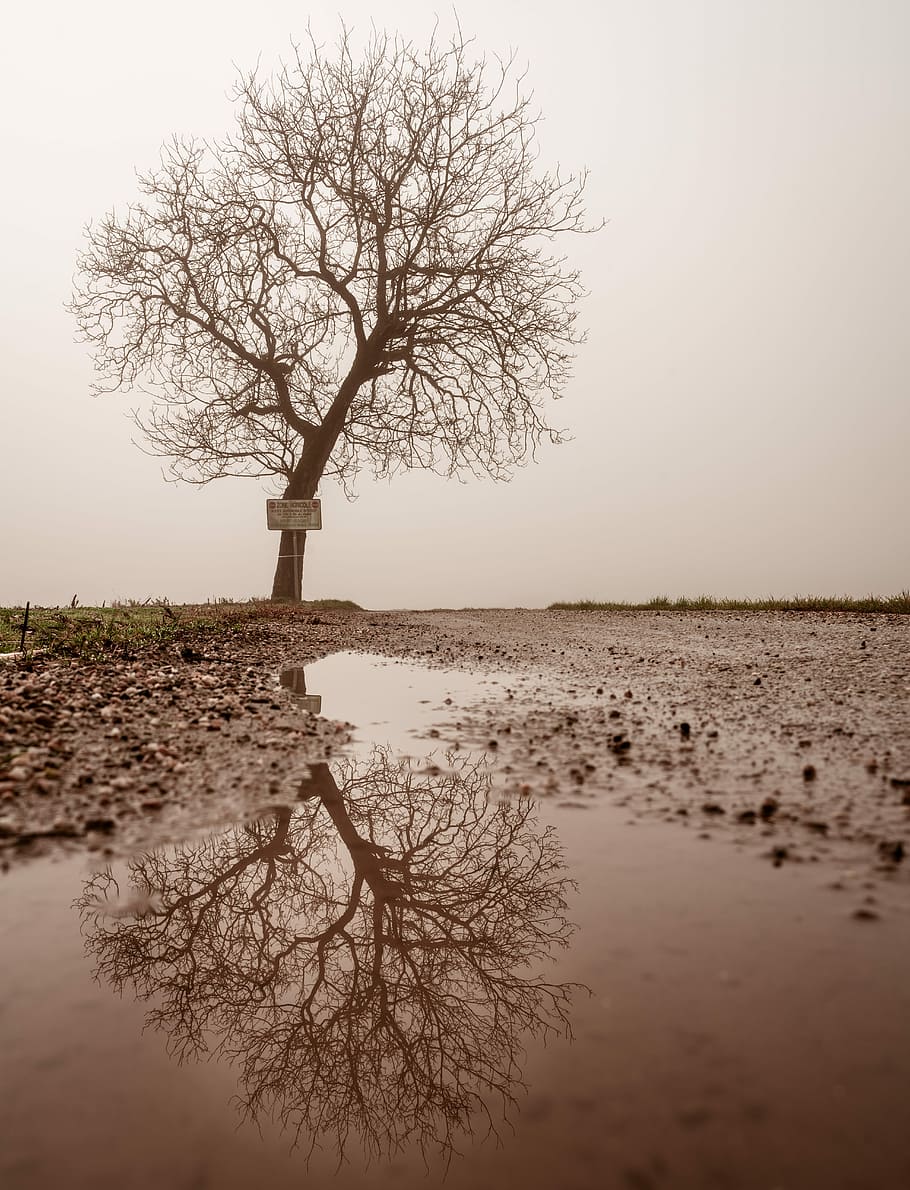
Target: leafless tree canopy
[(369, 960), (364, 272)]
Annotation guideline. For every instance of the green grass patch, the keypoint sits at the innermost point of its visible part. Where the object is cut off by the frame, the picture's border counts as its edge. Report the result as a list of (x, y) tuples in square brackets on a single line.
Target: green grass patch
[(895, 604), (92, 633), (131, 626)]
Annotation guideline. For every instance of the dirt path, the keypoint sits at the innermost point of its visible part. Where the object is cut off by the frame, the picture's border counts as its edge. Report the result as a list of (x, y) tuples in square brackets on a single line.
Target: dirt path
[(791, 733)]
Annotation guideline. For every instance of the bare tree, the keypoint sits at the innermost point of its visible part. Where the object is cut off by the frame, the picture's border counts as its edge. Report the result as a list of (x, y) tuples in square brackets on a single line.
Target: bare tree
[(369, 960), (364, 272)]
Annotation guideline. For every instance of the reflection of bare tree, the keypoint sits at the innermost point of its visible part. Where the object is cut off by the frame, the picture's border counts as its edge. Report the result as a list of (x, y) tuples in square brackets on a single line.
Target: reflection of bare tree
[(368, 959)]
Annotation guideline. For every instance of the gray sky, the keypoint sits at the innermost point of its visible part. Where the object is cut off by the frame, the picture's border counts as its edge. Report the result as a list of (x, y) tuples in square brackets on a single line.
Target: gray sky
[(740, 412)]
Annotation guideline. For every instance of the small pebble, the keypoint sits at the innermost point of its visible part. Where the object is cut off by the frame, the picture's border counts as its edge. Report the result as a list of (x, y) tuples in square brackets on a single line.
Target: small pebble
[(892, 851)]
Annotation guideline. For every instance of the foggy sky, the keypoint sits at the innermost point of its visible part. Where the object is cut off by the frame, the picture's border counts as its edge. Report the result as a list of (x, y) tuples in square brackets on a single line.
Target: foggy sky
[(740, 412)]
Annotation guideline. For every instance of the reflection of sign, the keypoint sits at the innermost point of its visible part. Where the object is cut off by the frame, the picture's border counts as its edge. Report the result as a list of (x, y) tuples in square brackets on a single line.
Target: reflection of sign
[(294, 681), (294, 514)]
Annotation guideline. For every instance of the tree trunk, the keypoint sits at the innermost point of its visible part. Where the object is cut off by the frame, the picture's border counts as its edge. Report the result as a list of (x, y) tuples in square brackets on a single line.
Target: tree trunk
[(287, 585)]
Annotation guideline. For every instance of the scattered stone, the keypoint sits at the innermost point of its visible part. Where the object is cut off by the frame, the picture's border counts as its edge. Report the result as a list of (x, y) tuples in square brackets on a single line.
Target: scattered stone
[(154, 755), (104, 825), (713, 808), (892, 850), (809, 773), (768, 808), (778, 855), (685, 730)]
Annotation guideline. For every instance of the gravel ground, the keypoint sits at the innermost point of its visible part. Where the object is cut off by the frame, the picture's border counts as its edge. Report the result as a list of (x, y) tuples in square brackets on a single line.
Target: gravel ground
[(788, 732)]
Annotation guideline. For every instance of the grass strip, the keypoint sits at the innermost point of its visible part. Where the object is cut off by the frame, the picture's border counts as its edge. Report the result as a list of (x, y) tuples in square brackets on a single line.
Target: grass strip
[(95, 633), (894, 604)]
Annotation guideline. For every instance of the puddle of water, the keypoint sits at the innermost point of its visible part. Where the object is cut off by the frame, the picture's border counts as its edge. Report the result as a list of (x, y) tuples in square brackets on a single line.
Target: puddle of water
[(372, 971), (393, 702)]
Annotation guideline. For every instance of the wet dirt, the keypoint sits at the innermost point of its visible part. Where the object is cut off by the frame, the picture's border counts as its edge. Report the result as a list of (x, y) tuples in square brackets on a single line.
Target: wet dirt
[(787, 729), (440, 956)]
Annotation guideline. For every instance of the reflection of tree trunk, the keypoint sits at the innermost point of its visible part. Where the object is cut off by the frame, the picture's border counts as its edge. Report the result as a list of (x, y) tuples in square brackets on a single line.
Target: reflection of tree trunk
[(293, 679), (367, 857)]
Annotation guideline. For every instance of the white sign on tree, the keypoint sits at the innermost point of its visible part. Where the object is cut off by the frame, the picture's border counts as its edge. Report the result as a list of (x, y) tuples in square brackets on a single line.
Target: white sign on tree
[(294, 514)]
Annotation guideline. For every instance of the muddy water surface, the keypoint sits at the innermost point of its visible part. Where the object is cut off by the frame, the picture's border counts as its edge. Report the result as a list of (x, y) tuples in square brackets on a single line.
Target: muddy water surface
[(407, 974)]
